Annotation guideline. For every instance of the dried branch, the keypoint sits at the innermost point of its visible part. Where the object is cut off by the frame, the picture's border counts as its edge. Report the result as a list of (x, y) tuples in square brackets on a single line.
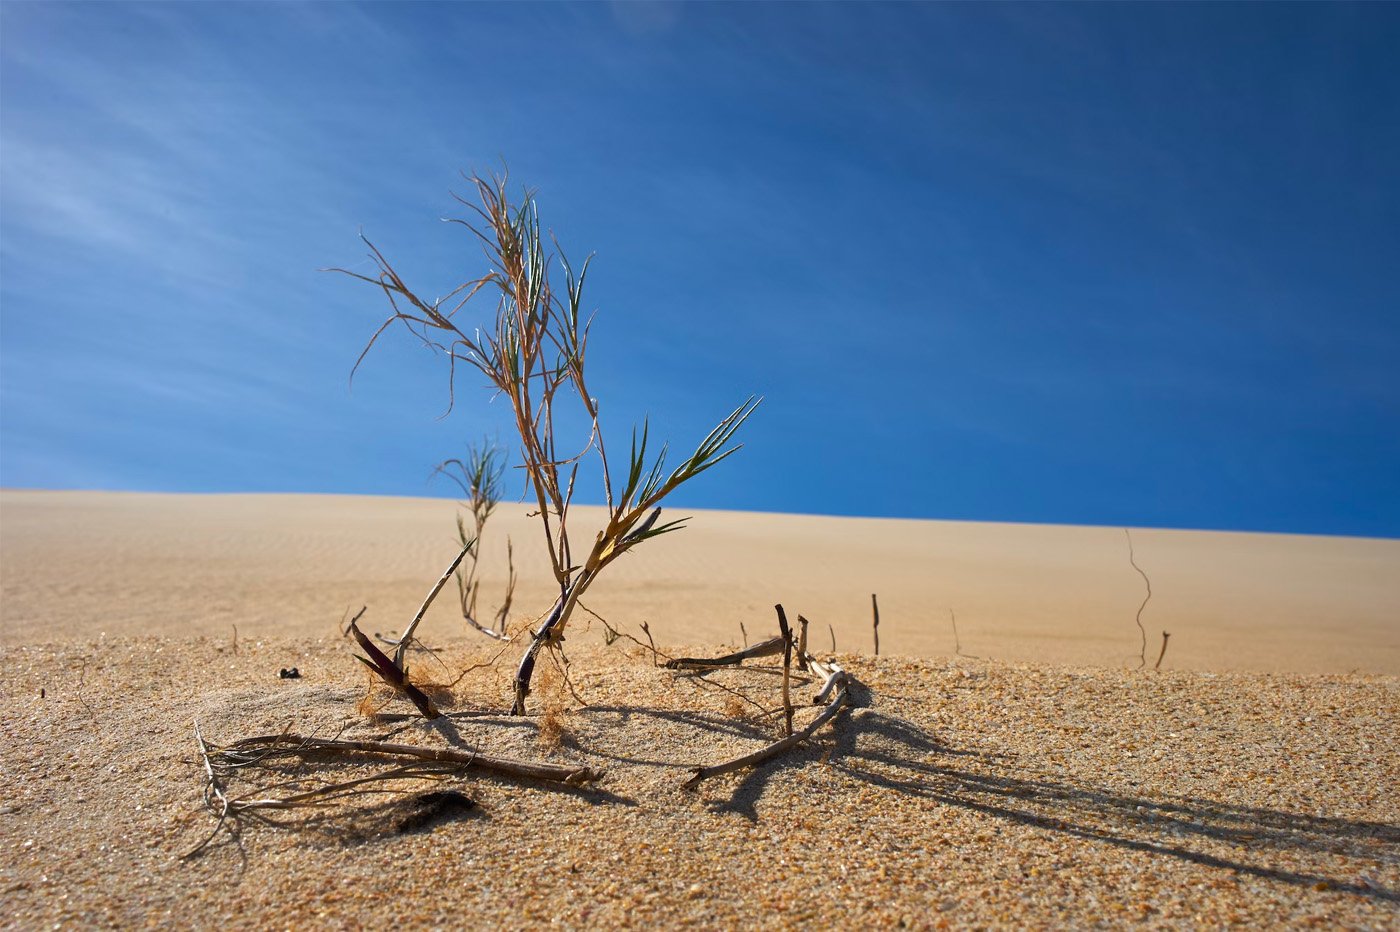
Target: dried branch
[(786, 633), (1142, 656), (407, 637), (768, 648), (262, 747), (875, 622), (802, 644), (838, 681), (392, 674), (1158, 664)]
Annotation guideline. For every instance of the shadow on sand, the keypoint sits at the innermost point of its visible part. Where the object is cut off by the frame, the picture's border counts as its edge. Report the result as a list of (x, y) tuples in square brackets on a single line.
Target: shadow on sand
[(897, 755)]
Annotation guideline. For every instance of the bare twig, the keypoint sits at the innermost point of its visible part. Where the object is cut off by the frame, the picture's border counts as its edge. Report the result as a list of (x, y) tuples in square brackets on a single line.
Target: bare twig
[(392, 674), (344, 628), (503, 613), (215, 797), (768, 648), (1142, 656), (650, 643), (261, 747), (1158, 664), (802, 643), (838, 682), (833, 637), (787, 667), (407, 636), (875, 621), (561, 663)]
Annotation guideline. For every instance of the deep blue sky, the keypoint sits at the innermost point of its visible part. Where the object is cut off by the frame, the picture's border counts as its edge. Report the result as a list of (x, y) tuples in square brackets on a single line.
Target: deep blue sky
[(1130, 264)]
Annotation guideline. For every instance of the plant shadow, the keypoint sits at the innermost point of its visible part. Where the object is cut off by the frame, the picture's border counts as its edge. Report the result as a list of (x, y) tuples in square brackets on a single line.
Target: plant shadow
[(897, 755)]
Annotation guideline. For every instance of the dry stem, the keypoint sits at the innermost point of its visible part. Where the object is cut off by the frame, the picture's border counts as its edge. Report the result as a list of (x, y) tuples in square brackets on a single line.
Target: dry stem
[(787, 668), (837, 682), (1142, 655), (401, 647), (768, 648), (875, 621)]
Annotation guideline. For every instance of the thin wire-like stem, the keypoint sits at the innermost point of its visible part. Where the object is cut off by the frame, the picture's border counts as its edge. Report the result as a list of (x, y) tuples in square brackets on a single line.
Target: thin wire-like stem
[(1142, 655)]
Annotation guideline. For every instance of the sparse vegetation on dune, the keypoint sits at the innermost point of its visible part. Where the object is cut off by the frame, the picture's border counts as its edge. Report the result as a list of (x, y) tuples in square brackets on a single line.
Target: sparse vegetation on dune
[(533, 352)]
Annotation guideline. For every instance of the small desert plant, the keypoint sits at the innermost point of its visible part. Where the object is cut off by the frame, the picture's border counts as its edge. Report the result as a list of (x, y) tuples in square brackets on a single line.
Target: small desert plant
[(534, 353), (479, 478)]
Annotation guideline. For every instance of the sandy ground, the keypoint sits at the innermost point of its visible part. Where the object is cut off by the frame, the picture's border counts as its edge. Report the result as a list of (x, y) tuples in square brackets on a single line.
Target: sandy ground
[(77, 565), (1043, 782)]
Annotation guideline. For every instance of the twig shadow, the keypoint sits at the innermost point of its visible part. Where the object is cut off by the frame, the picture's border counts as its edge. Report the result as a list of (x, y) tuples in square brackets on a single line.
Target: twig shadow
[(897, 755)]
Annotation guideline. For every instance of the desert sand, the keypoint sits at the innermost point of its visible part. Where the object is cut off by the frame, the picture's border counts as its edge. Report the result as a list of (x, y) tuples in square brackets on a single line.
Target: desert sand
[(1027, 773)]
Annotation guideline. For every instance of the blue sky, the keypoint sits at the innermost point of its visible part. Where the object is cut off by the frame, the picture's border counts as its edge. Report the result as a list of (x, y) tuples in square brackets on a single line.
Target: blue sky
[(1129, 264)]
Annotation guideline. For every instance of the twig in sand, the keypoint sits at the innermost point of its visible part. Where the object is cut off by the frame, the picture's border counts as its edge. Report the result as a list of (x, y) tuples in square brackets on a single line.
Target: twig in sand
[(1142, 655), (768, 648), (262, 747), (650, 643), (344, 628), (1158, 664), (802, 644), (263, 752), (402, 647), (875, 622), (837, 686), (561, 663), (787, 668), (833, 637), (957, 643), (392, 674)]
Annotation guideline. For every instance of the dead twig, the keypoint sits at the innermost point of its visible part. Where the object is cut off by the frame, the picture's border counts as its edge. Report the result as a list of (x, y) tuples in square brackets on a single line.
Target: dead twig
[(875, 621), (344, 628), (768, 648), (262, 747), (402, 647), (787, 668), (650, 643), (561, 663), (1158, 664), (1142, 655), (802, 644), (957, 643), (392, 674), (837, 686)]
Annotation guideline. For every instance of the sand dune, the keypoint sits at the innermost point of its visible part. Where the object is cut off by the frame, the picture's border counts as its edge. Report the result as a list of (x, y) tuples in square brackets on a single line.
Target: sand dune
[(1044, 782), (76, 565)]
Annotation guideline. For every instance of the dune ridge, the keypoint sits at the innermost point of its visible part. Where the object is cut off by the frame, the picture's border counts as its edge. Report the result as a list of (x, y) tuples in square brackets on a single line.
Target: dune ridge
[(77, 564)]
